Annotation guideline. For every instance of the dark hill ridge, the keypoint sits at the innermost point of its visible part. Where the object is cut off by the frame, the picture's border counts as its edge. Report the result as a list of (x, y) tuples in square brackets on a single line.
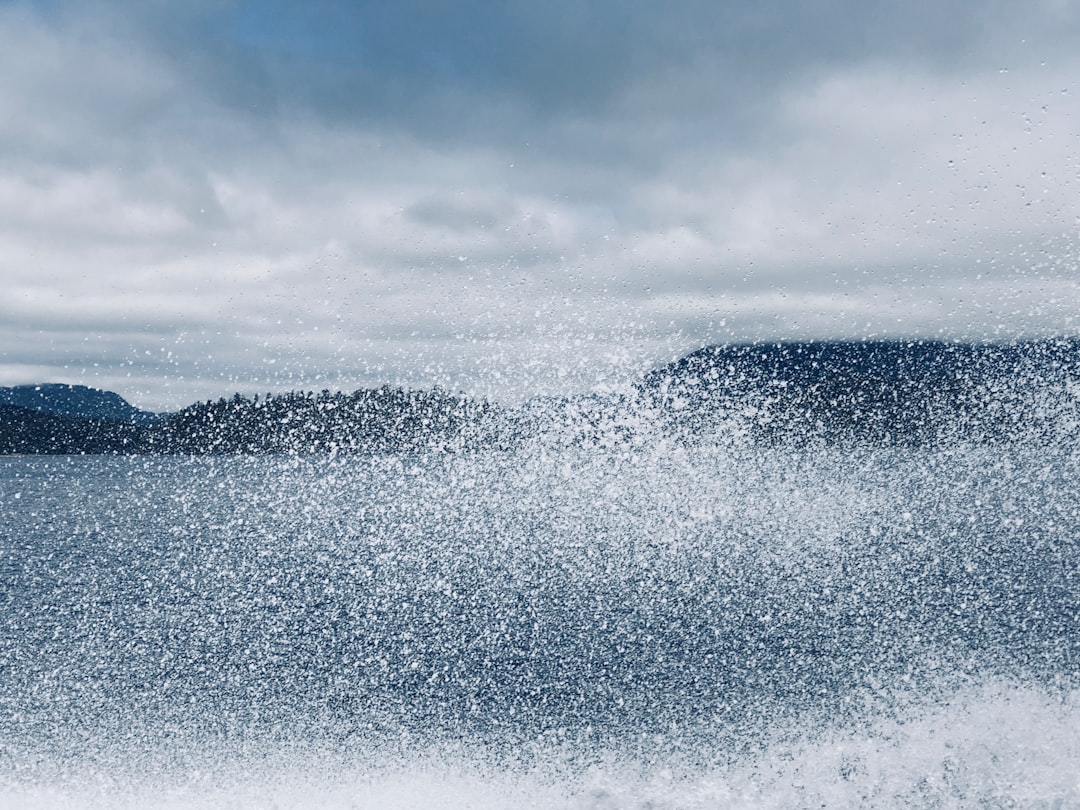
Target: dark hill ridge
[(891, 392), (75, 400), (367, 421), (379, 420), (876, 393), (34, 432), (812, 362)]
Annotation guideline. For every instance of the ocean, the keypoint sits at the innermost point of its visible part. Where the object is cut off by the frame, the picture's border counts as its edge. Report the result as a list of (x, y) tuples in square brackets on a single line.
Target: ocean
[(641, 623)]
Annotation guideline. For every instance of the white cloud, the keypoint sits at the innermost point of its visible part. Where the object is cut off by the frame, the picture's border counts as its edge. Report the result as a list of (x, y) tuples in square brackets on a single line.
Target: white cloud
[(189, 246)]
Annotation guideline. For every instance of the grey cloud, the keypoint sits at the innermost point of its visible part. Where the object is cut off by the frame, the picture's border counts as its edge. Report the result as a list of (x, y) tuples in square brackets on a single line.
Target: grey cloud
[(455, 203), (428, 68), (456, 214)]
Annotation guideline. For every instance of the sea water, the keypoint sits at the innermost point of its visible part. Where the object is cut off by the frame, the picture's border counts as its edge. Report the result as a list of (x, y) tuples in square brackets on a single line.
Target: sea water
[(631, 624)]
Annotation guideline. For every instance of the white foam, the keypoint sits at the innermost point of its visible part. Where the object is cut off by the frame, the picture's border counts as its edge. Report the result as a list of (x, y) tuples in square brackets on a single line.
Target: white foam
[(991, 746)]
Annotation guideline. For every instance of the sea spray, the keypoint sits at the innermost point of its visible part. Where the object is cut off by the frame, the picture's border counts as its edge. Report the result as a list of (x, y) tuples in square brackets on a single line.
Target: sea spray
[(624, 620)]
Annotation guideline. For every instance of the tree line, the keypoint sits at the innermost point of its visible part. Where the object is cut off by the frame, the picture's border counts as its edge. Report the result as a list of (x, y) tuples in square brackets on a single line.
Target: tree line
[(369, 420), (881, 393)]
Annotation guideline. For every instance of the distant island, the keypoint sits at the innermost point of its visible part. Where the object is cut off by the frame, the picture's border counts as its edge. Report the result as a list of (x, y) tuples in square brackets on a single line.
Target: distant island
[(881, 393), (378, 420)]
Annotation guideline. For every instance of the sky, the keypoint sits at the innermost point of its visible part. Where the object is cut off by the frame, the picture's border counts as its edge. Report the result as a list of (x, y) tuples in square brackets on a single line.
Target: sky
[(521, 198)]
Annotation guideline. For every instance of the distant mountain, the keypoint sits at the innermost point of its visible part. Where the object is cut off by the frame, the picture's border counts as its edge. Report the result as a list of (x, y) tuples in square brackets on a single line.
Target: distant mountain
[(879, 392), (29, 431), (374, 420), (366, 421), (844, 393), (75, 400)]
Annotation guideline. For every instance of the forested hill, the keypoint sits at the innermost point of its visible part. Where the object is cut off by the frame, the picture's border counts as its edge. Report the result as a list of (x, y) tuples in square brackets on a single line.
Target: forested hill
[(75, 400), (876, 392), (379, 420), (368, 420)]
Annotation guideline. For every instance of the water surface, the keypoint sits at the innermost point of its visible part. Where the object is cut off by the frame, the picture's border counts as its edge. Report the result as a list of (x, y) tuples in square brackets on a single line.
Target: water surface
[(644, 624)]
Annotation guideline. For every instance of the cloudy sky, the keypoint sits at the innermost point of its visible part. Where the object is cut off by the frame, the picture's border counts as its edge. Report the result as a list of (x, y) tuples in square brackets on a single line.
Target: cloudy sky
[(520, 197)]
